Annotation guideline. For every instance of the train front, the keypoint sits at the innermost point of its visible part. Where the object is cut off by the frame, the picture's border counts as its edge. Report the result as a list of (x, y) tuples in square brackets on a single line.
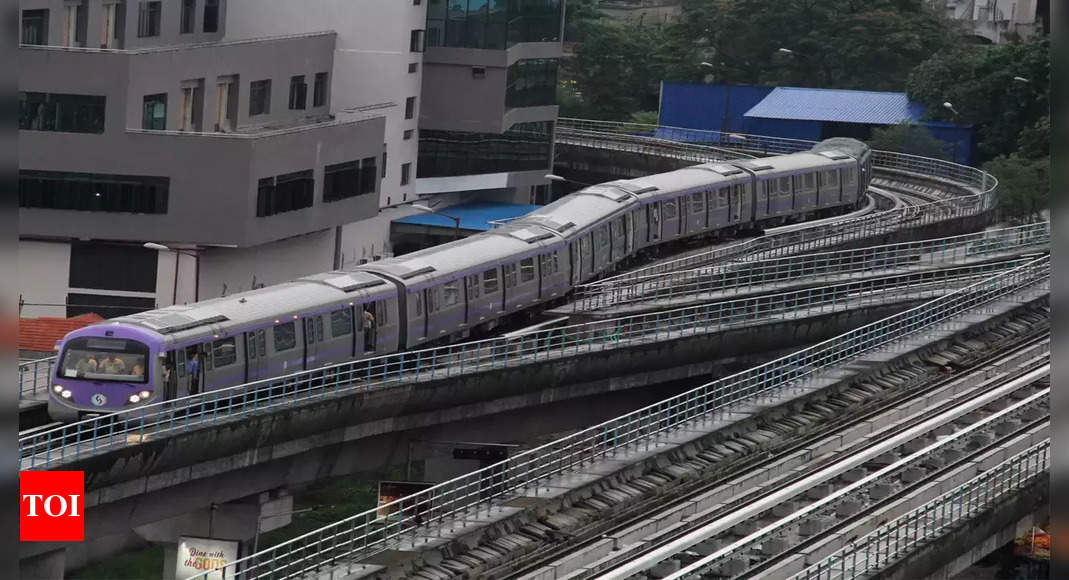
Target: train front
[(102, 369)]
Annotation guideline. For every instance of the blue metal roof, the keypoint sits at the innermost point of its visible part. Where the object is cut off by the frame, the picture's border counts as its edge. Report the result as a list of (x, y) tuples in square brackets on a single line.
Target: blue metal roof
[(473, 216), (869, 107)]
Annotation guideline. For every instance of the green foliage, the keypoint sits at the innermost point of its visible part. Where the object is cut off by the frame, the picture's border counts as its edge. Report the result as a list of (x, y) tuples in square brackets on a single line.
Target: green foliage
[(143, 564), (578, 15), (908, 138), (1034, 142), (1023, 186), (616, 70), (645, 117), (979, 82)]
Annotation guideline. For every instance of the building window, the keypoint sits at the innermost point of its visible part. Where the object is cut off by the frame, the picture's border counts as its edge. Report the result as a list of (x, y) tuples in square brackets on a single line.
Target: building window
[(260, 98), (410, 107), (189, 14), (226, 98), (351, 179), (415, 41), (148, 19), (74, 24), (413, 67), (110, 26), (319, 91), (524, 147), (416, 2), (211, 15), (35, 27), (384, 163), (298, 92), (407, 134), (288, 192), (192, 104), (406, 169), (61, 113), (154, 112), (93, 192), (499, 25), (532, 83)]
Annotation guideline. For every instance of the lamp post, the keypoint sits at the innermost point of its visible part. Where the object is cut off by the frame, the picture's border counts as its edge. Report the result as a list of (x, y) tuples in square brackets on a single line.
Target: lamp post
[(430, 209), (1022, 80), (555, 177), (260, 520), (950, 107), (163, 248)]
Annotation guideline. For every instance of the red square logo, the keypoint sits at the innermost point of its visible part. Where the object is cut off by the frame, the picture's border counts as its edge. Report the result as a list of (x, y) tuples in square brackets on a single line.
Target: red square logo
[(52, 506)]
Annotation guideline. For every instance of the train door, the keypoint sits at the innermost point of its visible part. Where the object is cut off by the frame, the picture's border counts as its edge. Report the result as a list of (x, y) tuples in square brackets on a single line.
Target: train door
[(419, 324), (313, 339), (169, 375), (629, 233), (654, 220), (586, 255), (697, 212), (372, 315), (577, 274), (255, 354)]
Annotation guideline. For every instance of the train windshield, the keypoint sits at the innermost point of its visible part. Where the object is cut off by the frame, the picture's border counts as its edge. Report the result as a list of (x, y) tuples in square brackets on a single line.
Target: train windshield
[(105, 359)]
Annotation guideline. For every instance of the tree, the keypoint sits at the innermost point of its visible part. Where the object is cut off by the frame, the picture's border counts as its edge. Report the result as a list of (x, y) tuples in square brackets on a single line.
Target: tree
[(908, 138), (1023, 186), (615, 69), (979, 82)]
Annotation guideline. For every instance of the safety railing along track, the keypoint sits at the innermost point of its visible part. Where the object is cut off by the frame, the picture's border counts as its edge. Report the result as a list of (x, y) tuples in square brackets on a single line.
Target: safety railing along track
[(893, 541), (744, 276), (35, 376), (69, 443), (361, 535)]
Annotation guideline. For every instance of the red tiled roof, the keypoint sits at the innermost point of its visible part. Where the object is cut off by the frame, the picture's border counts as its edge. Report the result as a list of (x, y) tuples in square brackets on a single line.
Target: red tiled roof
[(41, 334)]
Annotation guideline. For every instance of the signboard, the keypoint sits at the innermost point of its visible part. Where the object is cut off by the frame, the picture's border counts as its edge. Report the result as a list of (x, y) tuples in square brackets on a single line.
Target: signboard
[(390, 491), (198, 555), (1034, 544)]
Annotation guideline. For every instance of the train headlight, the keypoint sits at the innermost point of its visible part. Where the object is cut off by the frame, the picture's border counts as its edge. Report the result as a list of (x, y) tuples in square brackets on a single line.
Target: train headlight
[(66, 394), (57, 388), (134, 398), (145, 394)]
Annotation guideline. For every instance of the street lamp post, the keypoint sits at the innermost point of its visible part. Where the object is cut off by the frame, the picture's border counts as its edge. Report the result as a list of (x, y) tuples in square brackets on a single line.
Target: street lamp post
[(430, 209), (950, 107), (163, 248), (555, 177)]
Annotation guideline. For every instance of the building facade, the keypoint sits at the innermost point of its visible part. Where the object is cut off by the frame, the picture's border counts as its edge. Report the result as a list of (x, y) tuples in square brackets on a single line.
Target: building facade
[(261, 140), (998, 21)]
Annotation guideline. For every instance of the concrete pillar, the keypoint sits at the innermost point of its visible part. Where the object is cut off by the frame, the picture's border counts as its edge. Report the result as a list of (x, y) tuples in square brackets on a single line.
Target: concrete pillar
[(913, 474), (879, 491), (744, 528), (847, 507), (853, 475), (773, 546), (819, 491), (1006, 427), (783, 509), (47, 566)]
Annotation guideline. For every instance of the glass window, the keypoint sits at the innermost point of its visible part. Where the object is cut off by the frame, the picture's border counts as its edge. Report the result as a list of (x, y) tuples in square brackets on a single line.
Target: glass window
[(74, 23), (810, 180), (527, 270), (413, 66), (298, 92), (419, 303), (260, 97), (474, 288), (492, 24), (224, 352), (785, 185), (406, 169), (61, 112), (450, 294), (407, 134), (697, 203), (341, 181), (148, 19), (154, 114), (669, 209), (211, 15), (35, 27), (285, 336), (415, 41), (289, 192), (368, 175), (532, 83), (93, 192), (490, 281), (105, 359), (410, 107), (524, 147), (250, 345), (319, 92), (341, 322), (189, 12), (833, 177)]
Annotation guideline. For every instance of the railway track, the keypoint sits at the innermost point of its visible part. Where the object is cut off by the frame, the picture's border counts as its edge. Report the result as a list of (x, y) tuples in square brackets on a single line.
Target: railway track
[(605, 521)]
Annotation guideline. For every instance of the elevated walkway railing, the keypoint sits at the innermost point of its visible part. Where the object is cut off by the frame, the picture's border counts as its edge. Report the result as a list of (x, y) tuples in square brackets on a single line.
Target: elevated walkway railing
[(91, 437), (893, 541), (744, 276), (356, 537), (34, 377)]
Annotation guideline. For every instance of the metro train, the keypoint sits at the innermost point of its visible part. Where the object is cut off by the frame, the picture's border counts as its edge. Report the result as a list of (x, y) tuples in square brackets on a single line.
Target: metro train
[(459, 289)]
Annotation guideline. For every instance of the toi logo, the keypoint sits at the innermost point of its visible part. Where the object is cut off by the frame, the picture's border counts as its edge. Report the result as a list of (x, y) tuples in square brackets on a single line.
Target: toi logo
[(52, 506), (98, 399)]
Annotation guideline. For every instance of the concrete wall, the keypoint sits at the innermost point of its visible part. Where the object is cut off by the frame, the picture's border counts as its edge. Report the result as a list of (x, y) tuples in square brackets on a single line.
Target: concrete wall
[(170, 24), (44, 270), (238, 269)]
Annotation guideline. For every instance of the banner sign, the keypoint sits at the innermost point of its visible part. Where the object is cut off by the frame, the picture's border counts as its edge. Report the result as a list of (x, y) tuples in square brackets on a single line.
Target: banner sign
[(390, 491), (198, 555), (1035, 544)]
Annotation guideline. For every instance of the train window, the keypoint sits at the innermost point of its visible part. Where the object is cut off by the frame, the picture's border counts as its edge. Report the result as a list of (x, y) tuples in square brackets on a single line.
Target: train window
[(313, 329), (669, 209), (603, 236), (810, 180), (285, 336), (250, 345), (510, 275), (382, 313), (848, 176), (785, 185), (545, 264), (451, 293), (224, 352), (697, 203), (556, 261), (341, 322), (527, 270), (490, 281), (419, 303), (261, 342), (433, 302)]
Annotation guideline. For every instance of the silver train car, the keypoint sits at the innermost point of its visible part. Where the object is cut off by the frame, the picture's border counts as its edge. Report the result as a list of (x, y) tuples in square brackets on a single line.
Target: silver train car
[(455, 290)]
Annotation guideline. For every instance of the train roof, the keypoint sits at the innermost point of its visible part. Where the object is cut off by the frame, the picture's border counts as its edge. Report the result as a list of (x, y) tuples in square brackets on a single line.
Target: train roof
[(797, 162), (851, 147), (695, 176), (578, 211)]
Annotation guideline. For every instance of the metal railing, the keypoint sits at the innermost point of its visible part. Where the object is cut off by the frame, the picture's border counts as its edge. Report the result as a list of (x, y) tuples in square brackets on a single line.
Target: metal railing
[(75, 441), (34, 377), (361, 535), (978, 183), (741, 277), (897, 539)]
